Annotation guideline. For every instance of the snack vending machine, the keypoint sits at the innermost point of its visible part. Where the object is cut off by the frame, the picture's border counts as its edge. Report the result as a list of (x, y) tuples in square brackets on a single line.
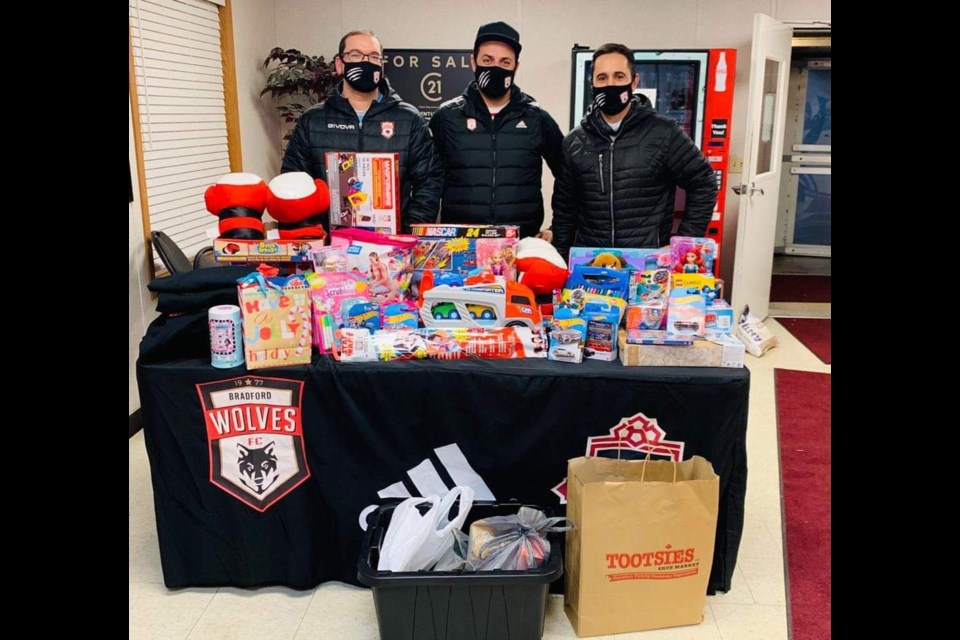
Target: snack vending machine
[(695, 88)]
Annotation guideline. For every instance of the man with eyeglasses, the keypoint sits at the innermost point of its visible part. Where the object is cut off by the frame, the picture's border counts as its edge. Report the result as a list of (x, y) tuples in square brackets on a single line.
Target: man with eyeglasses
[(363, 113), (493, 140)]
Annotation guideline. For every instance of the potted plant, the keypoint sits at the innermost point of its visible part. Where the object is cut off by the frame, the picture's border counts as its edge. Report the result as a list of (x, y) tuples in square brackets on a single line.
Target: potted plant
[(296, 82)]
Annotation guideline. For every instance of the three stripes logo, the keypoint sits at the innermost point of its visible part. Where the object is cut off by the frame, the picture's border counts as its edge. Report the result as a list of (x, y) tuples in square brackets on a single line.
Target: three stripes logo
[(521, 125), (483, 80), (354, 74), (445, 468)]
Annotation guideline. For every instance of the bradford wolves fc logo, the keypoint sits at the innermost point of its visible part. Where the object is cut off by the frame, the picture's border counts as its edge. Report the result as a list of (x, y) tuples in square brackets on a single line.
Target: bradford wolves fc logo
[(631, 438), (255, 436), (258, 467)]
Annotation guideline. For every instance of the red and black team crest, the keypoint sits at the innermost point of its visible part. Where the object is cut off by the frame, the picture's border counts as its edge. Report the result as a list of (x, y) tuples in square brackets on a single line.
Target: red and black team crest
[(631, 438), (255, 433), (386, 129)]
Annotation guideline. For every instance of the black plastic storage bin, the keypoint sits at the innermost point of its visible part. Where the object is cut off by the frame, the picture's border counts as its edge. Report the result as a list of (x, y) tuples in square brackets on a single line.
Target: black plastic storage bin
[(458, 605)]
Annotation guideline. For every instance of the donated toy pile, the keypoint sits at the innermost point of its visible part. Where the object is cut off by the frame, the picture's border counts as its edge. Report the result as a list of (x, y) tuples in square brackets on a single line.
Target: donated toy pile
[(366, 292)]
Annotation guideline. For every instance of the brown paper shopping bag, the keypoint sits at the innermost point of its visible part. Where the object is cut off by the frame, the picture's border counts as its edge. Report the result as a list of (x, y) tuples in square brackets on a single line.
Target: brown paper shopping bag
[(640, 553)]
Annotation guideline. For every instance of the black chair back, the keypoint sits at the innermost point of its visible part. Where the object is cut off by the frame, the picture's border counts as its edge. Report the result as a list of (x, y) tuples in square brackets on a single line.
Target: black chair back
[(170, 254)]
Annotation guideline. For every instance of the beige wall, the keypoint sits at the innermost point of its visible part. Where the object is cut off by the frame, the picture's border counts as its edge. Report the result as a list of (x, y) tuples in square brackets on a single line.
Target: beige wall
[(254, 35), (142, 309)]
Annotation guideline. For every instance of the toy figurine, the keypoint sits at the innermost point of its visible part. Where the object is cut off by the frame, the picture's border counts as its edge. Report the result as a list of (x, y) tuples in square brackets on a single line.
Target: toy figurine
[(706, 258), (691, 262), (497, 264)]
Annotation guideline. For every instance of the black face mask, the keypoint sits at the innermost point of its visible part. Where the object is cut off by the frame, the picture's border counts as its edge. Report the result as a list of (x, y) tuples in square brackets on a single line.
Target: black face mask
[(364, 76), (493, 82), (612, 99)]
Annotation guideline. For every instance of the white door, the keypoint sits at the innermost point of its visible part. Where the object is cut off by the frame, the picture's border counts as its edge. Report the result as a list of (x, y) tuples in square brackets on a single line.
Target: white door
[(760, 188)]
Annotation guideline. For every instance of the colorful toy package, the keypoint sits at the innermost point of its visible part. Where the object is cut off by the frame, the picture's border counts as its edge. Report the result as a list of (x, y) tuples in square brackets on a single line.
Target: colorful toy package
[(576, 299), (642, 336), (330, 259), (600, 281), (400, 315), (602, 323), (276, 320), (365, 189), (718, 317), (621, 259), (686, 313), (498, 257), (692, 255), (385, 261), (333, 295), (463, 249), (359, 345), (646, 315), (650, 285), (566, 345)]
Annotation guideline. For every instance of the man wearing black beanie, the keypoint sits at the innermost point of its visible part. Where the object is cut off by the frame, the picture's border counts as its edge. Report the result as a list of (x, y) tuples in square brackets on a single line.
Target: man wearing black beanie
[(493, 140)]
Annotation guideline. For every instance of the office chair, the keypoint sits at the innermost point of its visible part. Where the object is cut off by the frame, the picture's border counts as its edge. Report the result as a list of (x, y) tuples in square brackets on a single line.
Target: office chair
[(175, 260)]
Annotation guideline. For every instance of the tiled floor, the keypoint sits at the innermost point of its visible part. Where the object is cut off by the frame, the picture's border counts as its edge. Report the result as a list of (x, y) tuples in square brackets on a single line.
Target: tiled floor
[(754, 608)]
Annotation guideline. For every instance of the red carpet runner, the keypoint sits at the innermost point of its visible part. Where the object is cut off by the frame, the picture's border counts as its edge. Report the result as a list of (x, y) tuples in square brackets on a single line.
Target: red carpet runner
[(814, 333), (787, 288), (803, 421)]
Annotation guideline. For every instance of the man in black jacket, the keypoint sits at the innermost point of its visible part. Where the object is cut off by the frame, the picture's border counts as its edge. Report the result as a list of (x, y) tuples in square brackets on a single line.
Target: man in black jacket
[(364, 114), (621, 168), (493, 140)]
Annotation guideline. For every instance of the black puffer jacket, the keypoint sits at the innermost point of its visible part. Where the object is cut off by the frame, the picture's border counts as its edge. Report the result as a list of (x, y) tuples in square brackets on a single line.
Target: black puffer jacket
[(493, 169), (618, 189), (332, 125)]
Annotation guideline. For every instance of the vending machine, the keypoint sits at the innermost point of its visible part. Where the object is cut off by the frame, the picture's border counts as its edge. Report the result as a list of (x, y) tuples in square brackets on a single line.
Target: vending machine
[(695, 88)]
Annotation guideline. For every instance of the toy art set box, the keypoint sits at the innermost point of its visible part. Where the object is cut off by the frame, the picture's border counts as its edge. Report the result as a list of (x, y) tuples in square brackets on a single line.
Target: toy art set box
[(236, 250), (364, 189), (465, 250)]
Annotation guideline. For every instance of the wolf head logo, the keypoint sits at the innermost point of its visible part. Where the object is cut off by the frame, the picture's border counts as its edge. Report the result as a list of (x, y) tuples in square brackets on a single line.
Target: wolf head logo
[(258, 467)]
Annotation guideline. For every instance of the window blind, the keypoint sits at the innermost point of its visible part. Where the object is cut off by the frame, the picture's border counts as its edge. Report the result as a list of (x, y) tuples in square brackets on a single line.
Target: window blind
[(183, 128)]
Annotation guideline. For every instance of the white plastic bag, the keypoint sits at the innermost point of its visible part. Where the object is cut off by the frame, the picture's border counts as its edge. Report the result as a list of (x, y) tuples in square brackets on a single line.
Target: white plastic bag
[(415, 542)]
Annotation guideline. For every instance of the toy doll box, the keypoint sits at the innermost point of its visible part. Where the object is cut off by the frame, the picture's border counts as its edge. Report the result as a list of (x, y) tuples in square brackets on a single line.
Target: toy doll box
[(230, 250), (364, 189), (717, 351)]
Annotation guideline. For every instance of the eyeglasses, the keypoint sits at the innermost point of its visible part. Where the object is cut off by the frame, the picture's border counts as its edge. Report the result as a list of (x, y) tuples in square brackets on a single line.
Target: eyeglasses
[(356, 56)]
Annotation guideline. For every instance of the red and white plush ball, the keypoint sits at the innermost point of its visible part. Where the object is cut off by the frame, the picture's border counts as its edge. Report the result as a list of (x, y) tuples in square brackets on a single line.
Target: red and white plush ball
[(541, 266), (238, 199), (298, 201)]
